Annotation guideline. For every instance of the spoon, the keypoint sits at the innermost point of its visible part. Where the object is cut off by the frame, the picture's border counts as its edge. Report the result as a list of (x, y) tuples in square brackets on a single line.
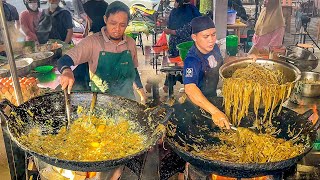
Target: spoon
[(92, 105), (68, 107)]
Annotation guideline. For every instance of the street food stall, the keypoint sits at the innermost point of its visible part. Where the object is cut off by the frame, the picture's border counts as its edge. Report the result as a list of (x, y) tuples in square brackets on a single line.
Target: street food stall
[(274, 130)]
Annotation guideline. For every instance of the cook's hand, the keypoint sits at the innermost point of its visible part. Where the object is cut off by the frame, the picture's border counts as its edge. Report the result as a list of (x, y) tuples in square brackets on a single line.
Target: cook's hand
[(67, 79), (220, 119)]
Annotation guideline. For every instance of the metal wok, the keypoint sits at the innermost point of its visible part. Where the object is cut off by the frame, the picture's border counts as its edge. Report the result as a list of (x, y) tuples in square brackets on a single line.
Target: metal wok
[(305, 60), (192, 129), (50, 107)]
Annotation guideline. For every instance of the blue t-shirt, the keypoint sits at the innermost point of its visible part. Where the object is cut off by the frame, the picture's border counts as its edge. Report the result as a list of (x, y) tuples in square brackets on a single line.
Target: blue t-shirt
[(197, 63)]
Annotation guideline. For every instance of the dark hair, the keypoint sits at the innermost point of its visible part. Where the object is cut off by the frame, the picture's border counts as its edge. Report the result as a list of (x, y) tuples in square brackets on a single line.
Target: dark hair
[(182, 2), (116, 10)]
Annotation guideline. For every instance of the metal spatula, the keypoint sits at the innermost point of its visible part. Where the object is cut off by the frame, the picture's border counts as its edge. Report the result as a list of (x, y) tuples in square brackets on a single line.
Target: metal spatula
[(68, 107)]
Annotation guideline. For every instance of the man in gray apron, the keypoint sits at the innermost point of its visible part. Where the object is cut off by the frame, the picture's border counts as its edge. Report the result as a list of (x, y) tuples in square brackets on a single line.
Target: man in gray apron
[(111, 55), (112, 59)]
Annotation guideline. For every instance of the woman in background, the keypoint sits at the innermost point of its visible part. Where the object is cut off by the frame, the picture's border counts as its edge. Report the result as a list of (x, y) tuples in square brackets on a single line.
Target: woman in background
[(270, 27)]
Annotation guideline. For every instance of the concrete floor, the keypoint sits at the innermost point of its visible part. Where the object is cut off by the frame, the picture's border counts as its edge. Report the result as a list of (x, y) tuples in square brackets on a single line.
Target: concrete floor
[(149, 74)]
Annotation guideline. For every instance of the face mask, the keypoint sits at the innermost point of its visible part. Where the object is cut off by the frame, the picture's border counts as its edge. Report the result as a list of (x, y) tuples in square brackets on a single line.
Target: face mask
[(33, 6), (53, 7)]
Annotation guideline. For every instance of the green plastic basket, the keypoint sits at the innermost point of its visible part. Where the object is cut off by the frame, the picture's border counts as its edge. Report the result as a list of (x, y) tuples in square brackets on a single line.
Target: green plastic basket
[(43, 69), (184, 48)]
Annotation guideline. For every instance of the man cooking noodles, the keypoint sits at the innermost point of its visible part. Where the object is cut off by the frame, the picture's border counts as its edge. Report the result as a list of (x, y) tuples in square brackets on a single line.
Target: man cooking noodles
[(200, 78), (201, 68), (111, 55)]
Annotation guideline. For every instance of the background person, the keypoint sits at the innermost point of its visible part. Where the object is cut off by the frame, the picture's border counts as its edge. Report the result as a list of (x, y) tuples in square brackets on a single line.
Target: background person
[(29, 19), (270, 27), (55, 23)]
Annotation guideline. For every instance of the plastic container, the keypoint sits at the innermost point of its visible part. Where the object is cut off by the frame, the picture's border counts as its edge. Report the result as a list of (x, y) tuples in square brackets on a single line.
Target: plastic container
[(184, 48), (231, 18), (43, 69), (232, 45)]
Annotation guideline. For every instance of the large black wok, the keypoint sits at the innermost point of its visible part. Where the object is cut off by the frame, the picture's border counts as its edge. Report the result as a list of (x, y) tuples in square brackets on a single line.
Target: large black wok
[(192, 129), (50, 108)]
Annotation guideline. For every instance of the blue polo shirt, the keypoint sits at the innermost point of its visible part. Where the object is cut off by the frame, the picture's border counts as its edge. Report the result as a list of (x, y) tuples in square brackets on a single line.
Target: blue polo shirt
[(197, 63)]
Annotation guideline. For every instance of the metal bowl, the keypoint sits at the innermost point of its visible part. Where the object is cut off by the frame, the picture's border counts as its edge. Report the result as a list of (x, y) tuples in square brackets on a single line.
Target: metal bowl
[(305, 60), (4, 72), (24, 66), (291, 73), (309, 84), (39, 58)]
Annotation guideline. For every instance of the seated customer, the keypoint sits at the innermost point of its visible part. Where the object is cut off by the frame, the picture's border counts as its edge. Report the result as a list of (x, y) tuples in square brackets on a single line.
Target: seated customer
[(55, 23), (29, 19)]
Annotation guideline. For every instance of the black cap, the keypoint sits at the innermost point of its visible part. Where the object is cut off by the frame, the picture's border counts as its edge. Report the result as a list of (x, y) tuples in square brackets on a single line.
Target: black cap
[(201, 23), (118, 5)]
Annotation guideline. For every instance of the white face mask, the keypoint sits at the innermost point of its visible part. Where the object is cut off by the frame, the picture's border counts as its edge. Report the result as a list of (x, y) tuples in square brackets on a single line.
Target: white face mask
[(53, 7), (33, 6)]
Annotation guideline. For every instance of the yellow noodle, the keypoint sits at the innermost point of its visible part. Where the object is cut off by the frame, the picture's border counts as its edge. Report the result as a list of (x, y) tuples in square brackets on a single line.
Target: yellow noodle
[(256, 84), (236, 147), (98, 141)]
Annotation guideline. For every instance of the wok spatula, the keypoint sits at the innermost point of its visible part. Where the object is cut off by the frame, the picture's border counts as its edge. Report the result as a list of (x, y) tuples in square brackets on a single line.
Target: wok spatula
[(231, 126), (68, 107)]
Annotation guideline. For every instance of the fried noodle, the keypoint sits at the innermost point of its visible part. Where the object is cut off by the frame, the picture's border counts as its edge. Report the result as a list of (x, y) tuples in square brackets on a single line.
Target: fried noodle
[(245, 146), (266, 87), (99, 140)]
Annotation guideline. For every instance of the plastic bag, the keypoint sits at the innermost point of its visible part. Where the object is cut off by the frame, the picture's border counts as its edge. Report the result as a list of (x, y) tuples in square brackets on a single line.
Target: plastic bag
[(162, 40), (162, 43)]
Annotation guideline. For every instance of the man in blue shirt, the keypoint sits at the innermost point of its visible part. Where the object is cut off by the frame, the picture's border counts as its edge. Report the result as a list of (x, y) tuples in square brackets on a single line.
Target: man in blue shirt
[(201, 68), (200, 78)]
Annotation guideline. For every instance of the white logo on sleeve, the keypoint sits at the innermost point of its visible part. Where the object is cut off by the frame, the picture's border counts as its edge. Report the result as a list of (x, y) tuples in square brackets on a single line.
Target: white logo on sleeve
[(189, 72), (212, 61)]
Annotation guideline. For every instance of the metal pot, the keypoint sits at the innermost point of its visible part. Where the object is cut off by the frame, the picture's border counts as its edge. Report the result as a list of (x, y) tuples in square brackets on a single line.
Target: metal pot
[(39, 58), (302, 58), (291, 73), (147, 120), (311, 88)]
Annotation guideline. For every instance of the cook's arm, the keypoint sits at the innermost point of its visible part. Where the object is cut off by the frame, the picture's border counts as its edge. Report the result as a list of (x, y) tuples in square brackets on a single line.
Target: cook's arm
[(79, 54), (196, 96)]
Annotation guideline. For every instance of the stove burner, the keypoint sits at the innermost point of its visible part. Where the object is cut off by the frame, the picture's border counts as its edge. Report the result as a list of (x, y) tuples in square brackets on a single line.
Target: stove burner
[(301, 100), (195, 174)]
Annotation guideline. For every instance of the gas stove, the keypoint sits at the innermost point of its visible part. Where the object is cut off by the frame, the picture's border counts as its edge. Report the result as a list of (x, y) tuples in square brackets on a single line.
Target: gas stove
[(307, 169)]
